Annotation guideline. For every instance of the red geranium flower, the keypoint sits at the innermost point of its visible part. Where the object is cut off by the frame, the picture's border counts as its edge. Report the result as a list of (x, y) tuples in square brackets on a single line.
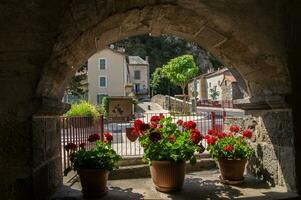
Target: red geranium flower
[(212, 132), (82, 145), (71, 146), (144, 127), (247, 133), (189, 125), (221, 135), (211, 140), (234, 128), (109, 136), (180, 122), (155, 119), (137, 123), (228, 148), (94, 137), (155, 136), (195, 136)]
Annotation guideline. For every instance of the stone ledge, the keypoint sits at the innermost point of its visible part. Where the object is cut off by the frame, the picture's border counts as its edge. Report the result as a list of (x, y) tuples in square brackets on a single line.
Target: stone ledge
[(262, 103)]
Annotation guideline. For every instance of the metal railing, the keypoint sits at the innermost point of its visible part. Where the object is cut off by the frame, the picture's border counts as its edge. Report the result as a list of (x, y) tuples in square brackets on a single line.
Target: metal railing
[(77, 130)]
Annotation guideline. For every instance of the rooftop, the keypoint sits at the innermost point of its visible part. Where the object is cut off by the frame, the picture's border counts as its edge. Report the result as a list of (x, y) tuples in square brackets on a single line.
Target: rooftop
[(136, 60)]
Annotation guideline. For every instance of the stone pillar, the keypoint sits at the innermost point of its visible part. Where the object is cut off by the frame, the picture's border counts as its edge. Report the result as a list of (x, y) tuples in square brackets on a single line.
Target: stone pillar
[(47, 161), (273, 137)]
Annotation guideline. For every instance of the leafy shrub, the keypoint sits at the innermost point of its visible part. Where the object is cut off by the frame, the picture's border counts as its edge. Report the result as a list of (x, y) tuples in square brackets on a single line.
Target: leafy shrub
[(104, 106), (164, 140), (83, 109), (232, 145)]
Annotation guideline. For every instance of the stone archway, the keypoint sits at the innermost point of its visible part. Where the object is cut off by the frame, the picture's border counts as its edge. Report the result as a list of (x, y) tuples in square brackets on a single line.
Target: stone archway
[(240, 42), (257, 38)]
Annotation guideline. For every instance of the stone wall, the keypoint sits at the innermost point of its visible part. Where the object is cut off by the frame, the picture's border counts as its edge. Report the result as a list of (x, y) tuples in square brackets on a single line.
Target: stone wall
[(47, 161), (171, 103), (273, 137)]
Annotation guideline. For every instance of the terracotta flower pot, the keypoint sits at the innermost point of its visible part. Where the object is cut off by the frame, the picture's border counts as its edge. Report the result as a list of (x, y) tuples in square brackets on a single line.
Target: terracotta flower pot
[(167, 176), (232, 170), (94, 182)]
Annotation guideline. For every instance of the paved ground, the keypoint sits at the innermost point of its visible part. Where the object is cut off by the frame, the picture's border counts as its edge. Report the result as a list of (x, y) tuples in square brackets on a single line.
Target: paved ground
[(198, 186)]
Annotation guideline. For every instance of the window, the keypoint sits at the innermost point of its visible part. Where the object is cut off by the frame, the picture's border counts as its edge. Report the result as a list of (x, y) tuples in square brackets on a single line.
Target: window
[(100, 98), (209, 84), (102, 63), (136, 74), (137, 87), (102, 81)]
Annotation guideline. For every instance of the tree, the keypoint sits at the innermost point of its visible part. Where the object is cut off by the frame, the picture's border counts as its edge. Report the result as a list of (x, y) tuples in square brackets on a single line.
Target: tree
[(162, 85), (180, 70), (214, 94), (76, 83)]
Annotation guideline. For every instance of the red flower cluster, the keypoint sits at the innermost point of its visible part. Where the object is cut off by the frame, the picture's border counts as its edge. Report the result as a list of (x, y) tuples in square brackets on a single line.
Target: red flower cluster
[(71, 146), (228, 148), (189, 125), (211, 139), (195, 136), (247, 133), (94, 137), (221, 135), (108, 136), (155, 119), (140, 127), (180, 122), (155, 136), (234, 128), (212, 132)]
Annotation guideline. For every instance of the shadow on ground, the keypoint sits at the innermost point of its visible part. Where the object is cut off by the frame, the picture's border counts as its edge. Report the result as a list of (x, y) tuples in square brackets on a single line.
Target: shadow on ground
[(68, 193)]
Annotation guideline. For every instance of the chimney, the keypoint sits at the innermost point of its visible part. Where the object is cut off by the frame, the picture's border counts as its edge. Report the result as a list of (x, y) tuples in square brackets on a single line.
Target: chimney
[(146, 59)]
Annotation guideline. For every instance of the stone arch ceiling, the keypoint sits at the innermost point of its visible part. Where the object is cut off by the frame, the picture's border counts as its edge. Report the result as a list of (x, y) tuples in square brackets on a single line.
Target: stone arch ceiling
[(244, 35)]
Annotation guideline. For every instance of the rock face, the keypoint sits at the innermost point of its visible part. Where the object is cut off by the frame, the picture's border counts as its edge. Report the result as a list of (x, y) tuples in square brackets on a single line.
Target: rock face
[(43, 42)]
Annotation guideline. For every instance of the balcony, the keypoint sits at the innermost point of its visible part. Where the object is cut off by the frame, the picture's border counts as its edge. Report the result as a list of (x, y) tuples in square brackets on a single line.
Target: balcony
[(141, 91)]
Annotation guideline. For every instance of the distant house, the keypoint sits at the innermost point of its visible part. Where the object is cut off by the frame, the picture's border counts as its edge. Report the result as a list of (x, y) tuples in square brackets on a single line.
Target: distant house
[(221, 81), (139, 76), (113, 73)]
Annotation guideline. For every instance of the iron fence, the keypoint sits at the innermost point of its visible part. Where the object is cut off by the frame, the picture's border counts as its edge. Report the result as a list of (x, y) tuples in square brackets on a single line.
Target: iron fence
[(77, 130), (205, 120)]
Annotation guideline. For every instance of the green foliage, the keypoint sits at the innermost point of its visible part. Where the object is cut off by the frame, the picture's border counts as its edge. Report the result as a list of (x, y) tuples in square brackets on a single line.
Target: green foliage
[(178, 150), (162, 85), (76, 83), (83, 109), (180, 70), (214, 94), (102, 156), (135, 101), (104, 106)]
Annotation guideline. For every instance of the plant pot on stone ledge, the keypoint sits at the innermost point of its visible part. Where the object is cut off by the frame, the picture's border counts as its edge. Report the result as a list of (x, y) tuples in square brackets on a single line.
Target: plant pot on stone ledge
[(232, 149), (93, 182), (167, 176), (232, 171)]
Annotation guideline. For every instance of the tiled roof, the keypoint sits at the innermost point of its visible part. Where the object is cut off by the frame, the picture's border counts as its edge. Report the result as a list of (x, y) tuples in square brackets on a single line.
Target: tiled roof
[(136, 60)]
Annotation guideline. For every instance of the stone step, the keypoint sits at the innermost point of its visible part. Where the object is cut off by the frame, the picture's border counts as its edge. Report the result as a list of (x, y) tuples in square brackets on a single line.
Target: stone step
[(142, 170)]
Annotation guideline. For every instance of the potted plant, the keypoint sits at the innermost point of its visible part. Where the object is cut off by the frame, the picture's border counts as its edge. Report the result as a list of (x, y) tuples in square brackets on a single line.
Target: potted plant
[(82, 114), (232, 150), (93, 166), (167, 147)]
